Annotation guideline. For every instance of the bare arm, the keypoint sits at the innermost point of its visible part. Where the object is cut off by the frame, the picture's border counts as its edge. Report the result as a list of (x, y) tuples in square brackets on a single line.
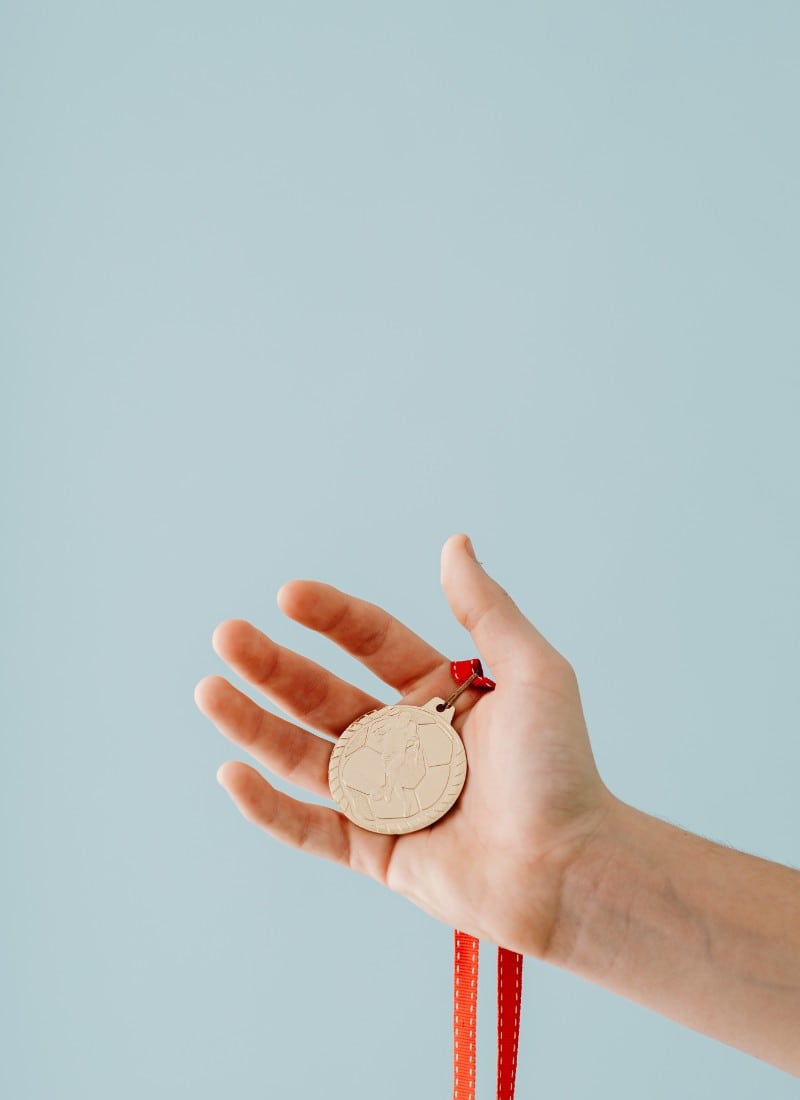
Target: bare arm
[(698, 932)]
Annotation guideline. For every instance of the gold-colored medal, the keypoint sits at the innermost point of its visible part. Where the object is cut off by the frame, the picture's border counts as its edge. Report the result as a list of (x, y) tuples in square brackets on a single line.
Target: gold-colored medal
[(400, 768)]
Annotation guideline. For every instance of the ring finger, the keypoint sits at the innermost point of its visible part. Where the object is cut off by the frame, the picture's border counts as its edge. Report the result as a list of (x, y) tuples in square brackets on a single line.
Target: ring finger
[(287, 750), (300, 687)]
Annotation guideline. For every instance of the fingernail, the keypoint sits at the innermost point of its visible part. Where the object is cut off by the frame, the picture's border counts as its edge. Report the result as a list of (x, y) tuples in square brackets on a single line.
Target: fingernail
[(470, 548)]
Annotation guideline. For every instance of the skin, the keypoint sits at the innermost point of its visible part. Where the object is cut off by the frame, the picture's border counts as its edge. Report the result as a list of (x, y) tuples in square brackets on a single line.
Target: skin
[(537, 854)]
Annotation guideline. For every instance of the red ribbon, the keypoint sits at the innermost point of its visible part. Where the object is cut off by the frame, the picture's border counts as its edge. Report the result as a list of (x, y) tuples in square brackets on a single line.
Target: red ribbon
[(465, 981), (465, 1009), (462, 670), (465, 1006), (509, 1005)]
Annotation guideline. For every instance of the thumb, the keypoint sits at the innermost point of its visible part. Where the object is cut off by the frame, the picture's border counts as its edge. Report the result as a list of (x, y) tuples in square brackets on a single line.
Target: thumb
[(499, 629)]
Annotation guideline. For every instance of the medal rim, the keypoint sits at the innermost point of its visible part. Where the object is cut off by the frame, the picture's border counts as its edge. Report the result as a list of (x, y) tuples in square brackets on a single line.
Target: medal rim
[(424, 818)]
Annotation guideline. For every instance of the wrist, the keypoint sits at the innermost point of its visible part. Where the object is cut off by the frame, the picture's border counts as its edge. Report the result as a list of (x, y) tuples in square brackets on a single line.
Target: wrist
[(694, 930), (596, 888)]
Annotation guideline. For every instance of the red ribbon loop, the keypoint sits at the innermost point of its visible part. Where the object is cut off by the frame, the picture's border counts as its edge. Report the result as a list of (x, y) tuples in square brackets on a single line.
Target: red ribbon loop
[(462, 670)]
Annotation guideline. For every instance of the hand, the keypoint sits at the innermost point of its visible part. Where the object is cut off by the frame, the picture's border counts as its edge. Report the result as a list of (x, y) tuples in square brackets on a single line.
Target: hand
[(536, 855), (532, 802)]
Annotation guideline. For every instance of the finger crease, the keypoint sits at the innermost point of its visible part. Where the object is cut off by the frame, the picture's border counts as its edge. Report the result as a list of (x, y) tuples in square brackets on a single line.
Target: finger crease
[(472, 619), (295, 753), (372, 642), (304, 834), (317, 698), (264, 676), (334, 624)]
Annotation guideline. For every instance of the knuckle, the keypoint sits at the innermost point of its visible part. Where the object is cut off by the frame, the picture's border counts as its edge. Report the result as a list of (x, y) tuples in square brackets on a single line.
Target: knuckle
[(373, 639)]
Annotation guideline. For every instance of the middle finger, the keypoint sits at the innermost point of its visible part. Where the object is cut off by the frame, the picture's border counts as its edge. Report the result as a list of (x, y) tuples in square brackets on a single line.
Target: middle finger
[(289, 751), (299, 686)]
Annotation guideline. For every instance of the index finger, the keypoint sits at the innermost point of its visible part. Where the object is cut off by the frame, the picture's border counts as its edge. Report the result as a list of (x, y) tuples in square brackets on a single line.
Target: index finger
[(380, 641)]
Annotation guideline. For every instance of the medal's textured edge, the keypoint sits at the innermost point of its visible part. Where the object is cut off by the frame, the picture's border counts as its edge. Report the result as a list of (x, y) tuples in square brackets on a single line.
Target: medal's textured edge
[(399, 826)]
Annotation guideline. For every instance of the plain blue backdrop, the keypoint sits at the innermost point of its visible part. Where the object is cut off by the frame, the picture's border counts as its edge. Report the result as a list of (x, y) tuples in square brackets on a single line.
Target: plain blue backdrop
[(299, 290)]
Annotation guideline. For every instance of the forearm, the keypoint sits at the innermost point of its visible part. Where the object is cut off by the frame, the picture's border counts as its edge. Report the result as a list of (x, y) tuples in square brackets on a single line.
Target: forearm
[(700, 933)]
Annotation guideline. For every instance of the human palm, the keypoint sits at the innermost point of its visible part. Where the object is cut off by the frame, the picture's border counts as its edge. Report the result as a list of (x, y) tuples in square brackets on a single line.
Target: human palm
[(532, 801)]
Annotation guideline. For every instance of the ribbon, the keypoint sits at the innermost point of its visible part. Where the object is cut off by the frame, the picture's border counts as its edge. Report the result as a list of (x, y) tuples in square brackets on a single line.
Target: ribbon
[(465, 1015), (461, 671), (465, 979)]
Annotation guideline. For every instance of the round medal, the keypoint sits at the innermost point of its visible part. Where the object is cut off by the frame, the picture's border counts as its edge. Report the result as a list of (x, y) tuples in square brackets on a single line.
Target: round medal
[(398, 769)]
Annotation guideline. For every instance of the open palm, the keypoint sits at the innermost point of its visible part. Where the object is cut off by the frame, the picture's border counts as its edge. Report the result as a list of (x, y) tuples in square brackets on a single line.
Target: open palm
[(493, 865)]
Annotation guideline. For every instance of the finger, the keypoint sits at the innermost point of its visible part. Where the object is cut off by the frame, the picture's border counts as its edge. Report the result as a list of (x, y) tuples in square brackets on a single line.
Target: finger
[(301, 688), (383, 644), (499, 629), (317, 829), (288, 751)]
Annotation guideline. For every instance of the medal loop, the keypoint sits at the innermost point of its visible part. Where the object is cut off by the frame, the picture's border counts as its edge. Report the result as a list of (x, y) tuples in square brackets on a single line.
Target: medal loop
[(466, 674)]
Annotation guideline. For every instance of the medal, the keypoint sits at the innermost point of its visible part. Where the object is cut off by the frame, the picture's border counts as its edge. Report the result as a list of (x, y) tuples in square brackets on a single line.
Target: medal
[(402, 767)]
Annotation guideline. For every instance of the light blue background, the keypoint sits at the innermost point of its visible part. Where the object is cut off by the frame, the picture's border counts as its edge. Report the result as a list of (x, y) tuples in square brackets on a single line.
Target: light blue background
[(299, 290)]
